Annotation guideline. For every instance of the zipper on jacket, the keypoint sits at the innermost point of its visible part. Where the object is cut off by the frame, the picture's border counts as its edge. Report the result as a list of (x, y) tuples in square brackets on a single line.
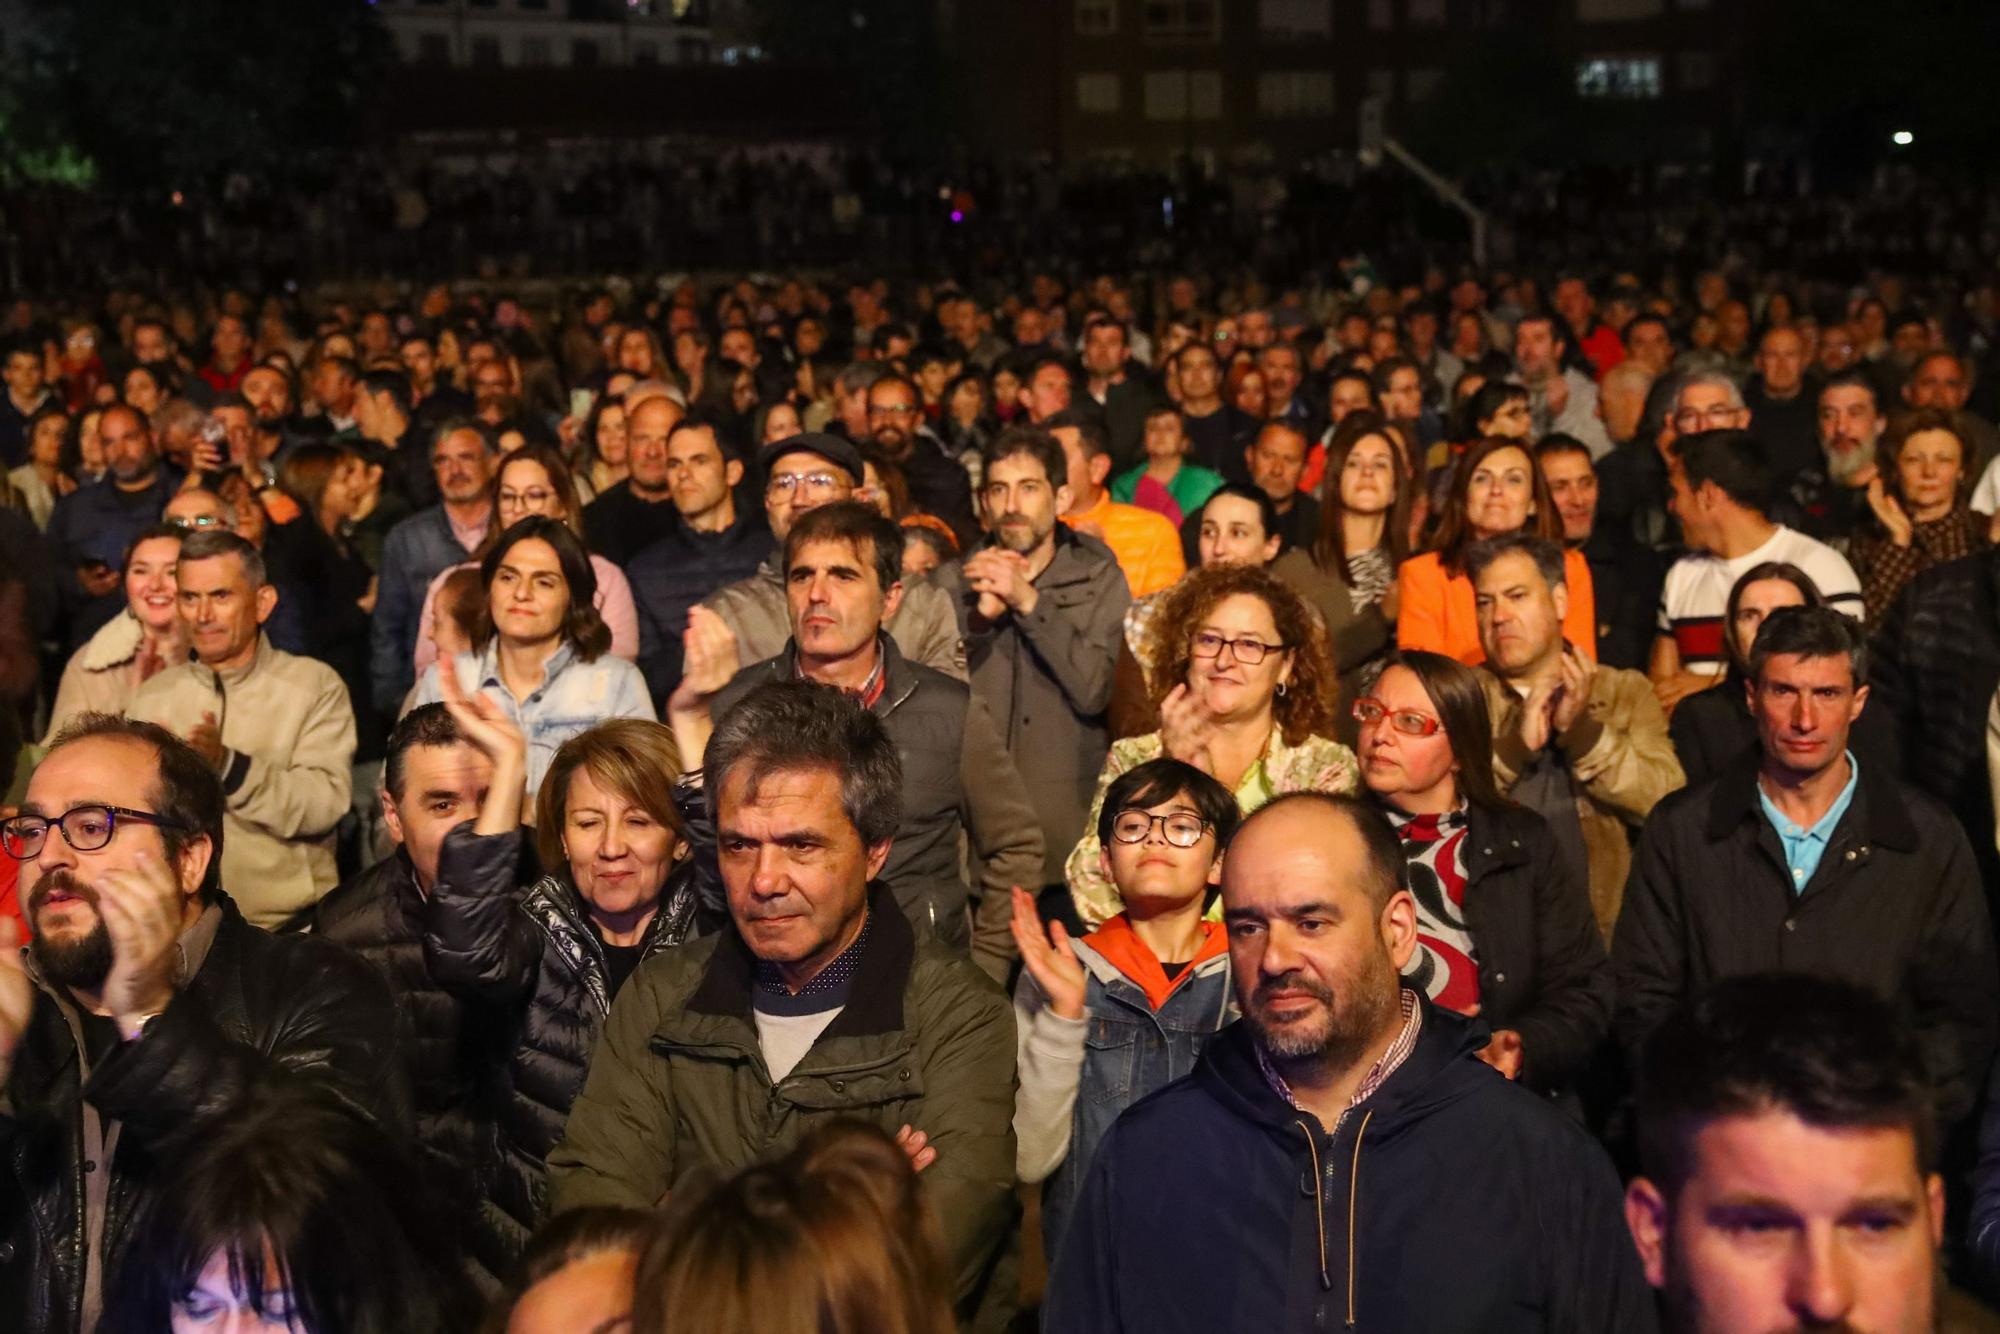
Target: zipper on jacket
[(1353, 1198), (1319, 1217)]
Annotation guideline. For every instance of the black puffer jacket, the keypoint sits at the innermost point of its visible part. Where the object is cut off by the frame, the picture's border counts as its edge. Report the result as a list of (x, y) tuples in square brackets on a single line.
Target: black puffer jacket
[(1936, 664), (451, 1047), (536, 961), (258, 1008)]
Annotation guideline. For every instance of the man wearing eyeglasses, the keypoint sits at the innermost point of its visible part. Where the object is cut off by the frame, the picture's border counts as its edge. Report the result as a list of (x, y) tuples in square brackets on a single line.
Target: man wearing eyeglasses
[(938, 483), (144, 1004), (1582, 744), (1042, 607), (747, 621)]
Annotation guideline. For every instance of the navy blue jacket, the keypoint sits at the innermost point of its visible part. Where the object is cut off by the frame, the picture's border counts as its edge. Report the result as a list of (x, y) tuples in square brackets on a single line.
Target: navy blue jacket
[(1213, 1205), (669, 576)]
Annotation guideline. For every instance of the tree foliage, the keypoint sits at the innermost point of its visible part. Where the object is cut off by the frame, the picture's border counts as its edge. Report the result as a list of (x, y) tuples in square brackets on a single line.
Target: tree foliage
[(175, 95)]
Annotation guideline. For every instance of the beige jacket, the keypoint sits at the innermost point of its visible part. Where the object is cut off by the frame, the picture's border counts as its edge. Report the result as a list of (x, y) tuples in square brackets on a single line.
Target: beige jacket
[(101, 675), (1621, 759), (289, 731)]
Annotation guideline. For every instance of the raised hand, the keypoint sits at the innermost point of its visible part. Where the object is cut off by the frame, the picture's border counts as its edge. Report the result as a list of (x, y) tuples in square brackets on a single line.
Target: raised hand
[(206, 740), (1578, 675), (1535, 711), (709, 659), (480, 720), (1048, 958), (144, 909), (1186, 727), (1000, 577), (1890, 514)]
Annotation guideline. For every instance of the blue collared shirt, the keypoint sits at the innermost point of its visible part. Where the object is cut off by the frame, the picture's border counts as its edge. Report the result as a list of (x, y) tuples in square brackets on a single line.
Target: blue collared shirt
[(574, 695), (1804, 847)]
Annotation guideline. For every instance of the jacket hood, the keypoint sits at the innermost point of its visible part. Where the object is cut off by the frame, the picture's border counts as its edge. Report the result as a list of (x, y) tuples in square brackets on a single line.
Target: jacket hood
[(1119, 945), (1438, 1072)]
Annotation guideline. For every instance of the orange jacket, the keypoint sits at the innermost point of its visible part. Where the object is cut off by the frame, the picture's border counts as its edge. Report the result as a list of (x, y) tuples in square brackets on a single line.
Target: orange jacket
[(1436, 610), (1148, 548)]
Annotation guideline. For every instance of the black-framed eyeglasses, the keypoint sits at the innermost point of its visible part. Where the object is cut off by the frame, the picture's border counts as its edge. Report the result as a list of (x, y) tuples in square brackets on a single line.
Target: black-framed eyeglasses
[(1183, 829), (1249, 652), (84, 828)]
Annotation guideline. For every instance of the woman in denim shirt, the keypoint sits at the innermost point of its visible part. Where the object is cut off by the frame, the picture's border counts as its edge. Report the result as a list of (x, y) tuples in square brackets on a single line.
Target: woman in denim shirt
[(1105, 1020), (543, 651)]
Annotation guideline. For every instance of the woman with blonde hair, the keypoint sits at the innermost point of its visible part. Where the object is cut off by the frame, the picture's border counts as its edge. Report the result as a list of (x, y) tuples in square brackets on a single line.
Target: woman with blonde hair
[(1244, 691), (833, 1238)]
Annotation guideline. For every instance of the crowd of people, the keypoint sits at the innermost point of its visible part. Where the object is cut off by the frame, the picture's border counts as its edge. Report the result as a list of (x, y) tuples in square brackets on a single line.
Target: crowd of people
[(1460, 805)]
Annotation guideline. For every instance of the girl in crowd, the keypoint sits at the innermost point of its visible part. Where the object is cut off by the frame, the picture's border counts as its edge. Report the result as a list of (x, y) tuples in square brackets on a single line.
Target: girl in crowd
[(776, 421), (324, 481), (834, 1238), (544, 652), (1348, 575), (147, 635), (534, 481), (292, 1213), (1918, 496), (1495, 489), (1166, 482), (1712, 729), (552, 959), (967, 422), (1244, 693), (1504, 930)]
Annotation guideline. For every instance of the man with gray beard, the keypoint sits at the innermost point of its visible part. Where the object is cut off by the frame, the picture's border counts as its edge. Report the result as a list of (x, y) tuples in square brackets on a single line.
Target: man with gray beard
[(1357, 1166), (1828, 502)]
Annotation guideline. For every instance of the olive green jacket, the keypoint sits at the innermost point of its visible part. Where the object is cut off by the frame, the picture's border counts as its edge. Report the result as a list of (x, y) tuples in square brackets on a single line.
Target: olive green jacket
[(678, 1084)]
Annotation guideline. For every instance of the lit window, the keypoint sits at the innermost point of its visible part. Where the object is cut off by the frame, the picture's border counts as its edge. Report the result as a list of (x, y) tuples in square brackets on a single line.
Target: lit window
[(1421, 85), (1178, 94), (1295, 93), (1617, 11), (1097, 94), (1182, 20), (1295, 18), (1096, 18), (1618, 77)]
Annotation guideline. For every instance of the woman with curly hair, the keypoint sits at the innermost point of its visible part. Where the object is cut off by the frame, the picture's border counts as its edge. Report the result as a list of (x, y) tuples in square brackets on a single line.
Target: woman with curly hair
[(1245, 692)]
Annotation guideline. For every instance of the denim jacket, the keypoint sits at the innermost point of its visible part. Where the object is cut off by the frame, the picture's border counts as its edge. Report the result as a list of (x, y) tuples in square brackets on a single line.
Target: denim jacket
[(1078, 1075), (574, 695)]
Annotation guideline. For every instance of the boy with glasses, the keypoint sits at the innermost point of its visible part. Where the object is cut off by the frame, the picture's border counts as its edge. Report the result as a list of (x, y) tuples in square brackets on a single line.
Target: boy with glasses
[(1105, 1020)]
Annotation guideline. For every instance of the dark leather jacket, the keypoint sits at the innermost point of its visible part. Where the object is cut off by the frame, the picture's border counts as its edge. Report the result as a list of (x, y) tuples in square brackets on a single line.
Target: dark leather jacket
[(259, 1007)]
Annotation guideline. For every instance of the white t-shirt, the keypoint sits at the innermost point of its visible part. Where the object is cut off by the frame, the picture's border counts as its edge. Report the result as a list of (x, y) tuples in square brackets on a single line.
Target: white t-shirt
[(1696, 595)]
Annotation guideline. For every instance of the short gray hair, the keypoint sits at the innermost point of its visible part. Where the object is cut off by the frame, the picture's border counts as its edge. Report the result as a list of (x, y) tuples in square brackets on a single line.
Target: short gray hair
[(209, 543), (1713, 379), (1547, 556), (787, 726)]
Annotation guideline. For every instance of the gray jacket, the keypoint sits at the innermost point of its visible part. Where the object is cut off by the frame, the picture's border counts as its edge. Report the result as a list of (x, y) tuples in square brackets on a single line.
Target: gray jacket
[(754, 610), (1046, 677), (959, 784)]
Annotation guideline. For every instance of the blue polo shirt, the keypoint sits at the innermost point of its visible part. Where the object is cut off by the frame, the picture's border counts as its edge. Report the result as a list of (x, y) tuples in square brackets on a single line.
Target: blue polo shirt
[(1804, 847)]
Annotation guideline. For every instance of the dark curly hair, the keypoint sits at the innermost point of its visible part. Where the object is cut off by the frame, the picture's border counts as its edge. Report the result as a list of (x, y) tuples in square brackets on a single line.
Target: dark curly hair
[(1306, 707)]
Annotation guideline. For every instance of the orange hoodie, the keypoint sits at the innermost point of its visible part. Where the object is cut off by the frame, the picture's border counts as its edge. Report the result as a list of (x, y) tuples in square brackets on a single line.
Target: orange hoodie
[(1121, 947)]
